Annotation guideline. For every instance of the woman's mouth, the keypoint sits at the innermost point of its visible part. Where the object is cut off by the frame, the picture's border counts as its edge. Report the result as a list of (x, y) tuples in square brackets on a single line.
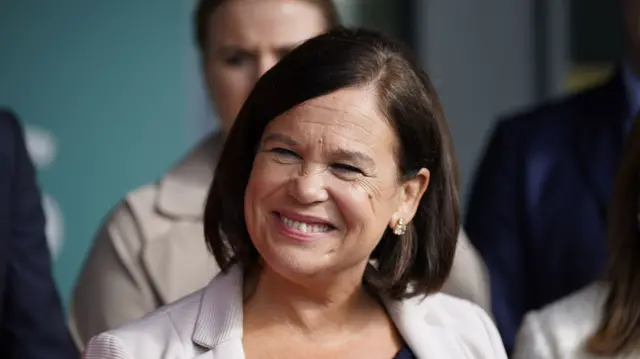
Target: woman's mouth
[(303, 226)]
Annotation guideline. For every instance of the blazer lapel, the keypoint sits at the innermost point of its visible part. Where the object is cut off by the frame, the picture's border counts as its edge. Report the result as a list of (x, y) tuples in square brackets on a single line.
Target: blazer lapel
[(600, 137), (218, 327), (183, 190), (178, 262)]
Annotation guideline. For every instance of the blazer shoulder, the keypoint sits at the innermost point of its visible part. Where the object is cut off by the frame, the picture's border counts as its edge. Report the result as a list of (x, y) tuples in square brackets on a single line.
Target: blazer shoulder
[(163, 333), (561, 328), (142, 200), (558, 112), (179, 316), (441, 308), (144, 205), (547, 127), (136, 217), (466, 320), (567, 322)]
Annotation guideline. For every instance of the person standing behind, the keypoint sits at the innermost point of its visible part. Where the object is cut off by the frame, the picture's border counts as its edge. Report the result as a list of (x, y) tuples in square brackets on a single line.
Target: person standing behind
[(32, 325), (538, 204), (602, 320)]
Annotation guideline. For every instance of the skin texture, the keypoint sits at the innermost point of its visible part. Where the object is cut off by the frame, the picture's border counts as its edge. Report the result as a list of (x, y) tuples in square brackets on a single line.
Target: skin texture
[(248, 37), (333, 159)]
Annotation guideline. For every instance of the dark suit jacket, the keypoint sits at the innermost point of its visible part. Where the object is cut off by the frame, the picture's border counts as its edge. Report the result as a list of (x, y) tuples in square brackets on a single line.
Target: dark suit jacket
[(31, 321), (537, 207)]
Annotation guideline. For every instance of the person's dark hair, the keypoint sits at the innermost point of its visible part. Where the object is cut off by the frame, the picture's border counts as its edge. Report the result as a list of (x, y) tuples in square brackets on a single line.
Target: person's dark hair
[(205, 9), (419, 261), (619, 329)]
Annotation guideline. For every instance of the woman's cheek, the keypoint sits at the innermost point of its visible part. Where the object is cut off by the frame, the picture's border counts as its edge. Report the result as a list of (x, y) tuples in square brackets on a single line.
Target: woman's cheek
[(353, 201)]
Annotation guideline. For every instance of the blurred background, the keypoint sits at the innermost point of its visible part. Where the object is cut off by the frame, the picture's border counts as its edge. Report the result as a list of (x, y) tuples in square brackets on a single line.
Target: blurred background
[(111, 95)]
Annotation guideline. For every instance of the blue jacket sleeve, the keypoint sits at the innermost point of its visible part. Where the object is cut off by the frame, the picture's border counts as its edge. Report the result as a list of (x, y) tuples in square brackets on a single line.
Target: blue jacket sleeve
[(33, 325), (494, 224)]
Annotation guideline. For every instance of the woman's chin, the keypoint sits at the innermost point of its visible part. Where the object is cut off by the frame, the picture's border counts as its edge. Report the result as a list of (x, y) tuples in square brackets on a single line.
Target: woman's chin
[(296, 265)]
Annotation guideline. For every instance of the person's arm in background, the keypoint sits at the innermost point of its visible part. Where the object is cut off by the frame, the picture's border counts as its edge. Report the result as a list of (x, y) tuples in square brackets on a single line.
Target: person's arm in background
[(33, 324), (112, 288), (494, 226)]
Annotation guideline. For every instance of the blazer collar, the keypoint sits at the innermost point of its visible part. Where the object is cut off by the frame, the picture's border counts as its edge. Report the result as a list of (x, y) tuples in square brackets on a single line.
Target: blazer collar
[(183, 190), (220, 316), (219, 323)]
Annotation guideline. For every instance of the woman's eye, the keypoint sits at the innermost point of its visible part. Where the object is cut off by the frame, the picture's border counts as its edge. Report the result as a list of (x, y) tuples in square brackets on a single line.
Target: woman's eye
[(238, 59), (284, 152), (341, 167)]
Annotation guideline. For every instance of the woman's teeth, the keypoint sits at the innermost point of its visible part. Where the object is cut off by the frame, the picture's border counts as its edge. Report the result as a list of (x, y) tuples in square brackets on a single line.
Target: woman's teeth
[(304, 227)]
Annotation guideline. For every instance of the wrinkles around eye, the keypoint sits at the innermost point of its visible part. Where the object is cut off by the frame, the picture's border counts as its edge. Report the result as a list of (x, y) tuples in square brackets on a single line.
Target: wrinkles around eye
[(343, 170), (284, 156), (284, 152)]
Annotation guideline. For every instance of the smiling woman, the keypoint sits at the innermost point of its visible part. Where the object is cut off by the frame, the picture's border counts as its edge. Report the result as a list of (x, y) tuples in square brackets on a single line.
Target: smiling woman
[(334, 218), (330, 164), (357, 144)]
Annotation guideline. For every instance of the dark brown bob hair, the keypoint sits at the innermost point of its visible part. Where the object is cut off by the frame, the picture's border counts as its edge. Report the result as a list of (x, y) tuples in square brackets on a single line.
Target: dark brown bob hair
[(420, 261), (619, 329), (206, 8)]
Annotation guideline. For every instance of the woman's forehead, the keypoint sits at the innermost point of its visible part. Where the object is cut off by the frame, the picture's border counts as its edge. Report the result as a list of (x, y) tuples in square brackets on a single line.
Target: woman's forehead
[(357, 105), (346, 121), (248, 23), (352, 112)]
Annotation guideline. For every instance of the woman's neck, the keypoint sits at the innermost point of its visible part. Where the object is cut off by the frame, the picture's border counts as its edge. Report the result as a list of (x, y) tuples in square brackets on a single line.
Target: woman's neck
[(317, 310)]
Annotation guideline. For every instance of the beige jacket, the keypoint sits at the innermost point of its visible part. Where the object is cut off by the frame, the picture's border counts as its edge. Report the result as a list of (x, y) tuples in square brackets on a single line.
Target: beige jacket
[(151, 251), (208, 325)]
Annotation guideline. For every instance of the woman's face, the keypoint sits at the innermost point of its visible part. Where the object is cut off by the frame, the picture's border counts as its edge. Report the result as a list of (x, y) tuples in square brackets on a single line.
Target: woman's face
[(248, 37), (325, 186)]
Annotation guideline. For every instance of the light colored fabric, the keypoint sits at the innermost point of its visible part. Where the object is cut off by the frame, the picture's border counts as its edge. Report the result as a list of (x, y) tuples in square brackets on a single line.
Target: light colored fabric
[(151, 251), (208, 324), (560, 330), (469, 278)]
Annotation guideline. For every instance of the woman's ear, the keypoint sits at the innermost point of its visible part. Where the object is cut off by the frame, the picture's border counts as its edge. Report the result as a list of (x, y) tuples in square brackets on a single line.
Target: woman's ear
[(411, 193)]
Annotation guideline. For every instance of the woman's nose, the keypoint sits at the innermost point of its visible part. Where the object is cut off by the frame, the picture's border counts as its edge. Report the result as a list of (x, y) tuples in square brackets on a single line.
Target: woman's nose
[(309, 186), (265, 63)]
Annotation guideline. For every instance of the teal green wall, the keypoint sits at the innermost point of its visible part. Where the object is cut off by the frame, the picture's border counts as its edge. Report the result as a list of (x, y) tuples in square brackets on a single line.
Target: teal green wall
[(108, 80)]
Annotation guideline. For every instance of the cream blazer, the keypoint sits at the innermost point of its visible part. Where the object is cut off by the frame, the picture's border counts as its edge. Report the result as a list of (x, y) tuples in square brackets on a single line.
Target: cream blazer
[(151, 251), (559, 330), (208, 325)]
